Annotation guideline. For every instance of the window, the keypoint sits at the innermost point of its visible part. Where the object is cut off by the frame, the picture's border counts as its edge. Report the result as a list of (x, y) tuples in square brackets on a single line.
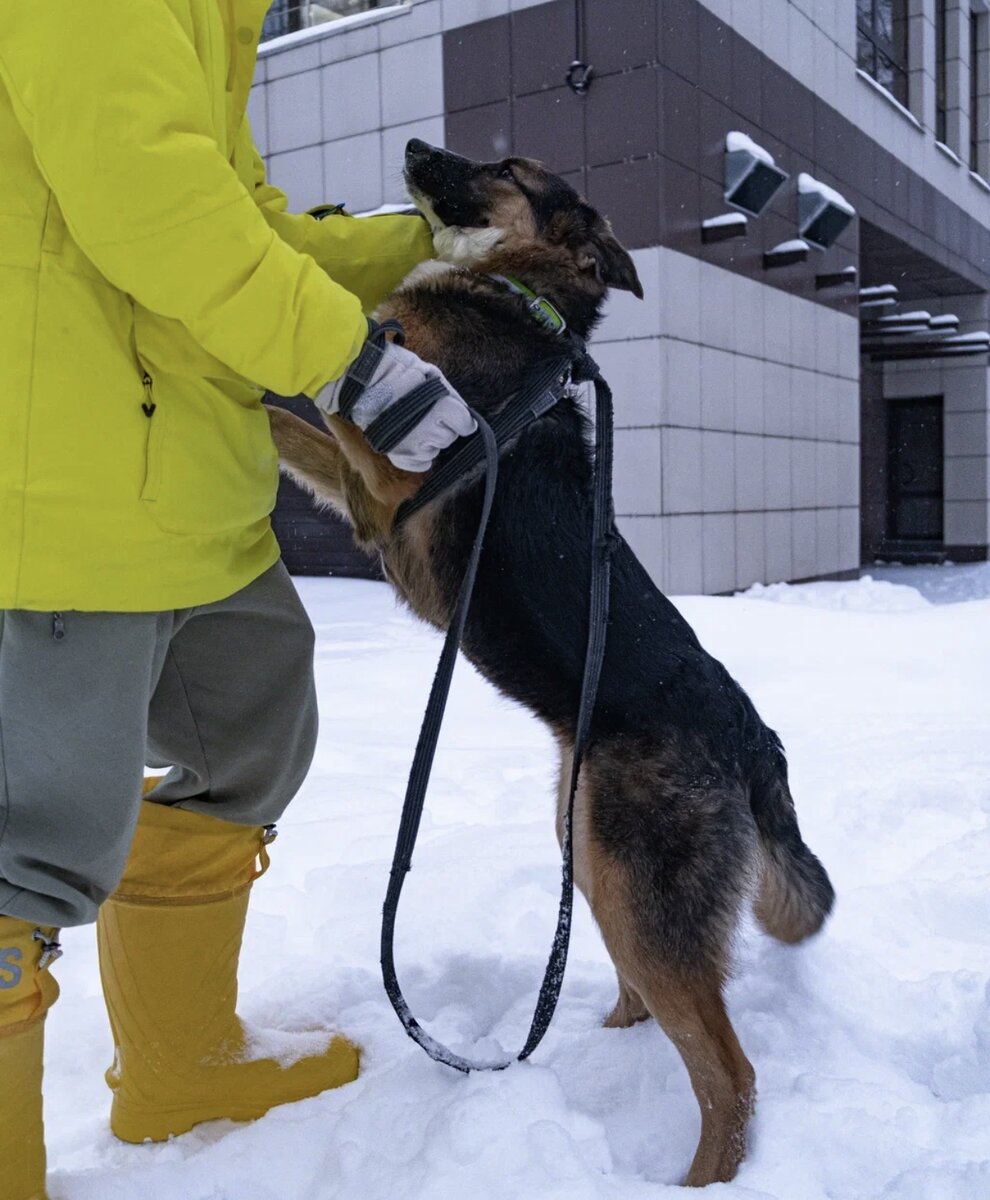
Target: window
[(979, 100), (942, 71), (881, 28), (286, 16), (974, 92)]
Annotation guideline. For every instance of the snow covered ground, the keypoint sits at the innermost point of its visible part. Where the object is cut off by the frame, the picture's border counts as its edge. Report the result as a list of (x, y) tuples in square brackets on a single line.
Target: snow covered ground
[(946, 584), (871, 1045)]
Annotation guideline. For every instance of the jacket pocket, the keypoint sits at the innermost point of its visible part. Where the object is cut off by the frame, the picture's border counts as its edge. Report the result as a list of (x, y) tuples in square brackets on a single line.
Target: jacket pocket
[(154, 452), (53, 237), (211, 467)]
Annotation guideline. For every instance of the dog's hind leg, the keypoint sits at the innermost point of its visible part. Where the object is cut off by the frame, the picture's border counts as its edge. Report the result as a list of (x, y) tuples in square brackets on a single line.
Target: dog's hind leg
[(629, 1008), (685, 997), (692, 1013)]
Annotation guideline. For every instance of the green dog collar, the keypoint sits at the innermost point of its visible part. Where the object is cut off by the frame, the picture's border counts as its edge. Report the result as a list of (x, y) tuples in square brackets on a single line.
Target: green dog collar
[(539, 306)]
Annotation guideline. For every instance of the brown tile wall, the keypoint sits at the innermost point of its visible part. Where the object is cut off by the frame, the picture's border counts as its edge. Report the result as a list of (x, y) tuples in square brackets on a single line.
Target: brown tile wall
[(646, 144)]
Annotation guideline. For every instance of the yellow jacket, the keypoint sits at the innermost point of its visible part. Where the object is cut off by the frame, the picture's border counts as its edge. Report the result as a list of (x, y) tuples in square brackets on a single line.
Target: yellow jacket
[(152, 285)]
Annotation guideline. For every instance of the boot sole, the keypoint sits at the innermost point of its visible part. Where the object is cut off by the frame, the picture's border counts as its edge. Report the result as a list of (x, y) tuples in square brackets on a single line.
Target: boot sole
[(136, 1127)]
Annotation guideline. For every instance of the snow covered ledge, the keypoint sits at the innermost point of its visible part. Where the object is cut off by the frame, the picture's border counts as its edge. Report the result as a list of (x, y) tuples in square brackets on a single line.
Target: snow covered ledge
[(328, 29), (890, 98)]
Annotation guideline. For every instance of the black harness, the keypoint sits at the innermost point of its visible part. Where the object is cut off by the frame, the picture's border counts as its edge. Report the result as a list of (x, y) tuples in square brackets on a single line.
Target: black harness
[(545, 387)]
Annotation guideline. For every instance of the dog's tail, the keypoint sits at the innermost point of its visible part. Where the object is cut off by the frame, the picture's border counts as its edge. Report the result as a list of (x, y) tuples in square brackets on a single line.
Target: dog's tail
[(795, 894)]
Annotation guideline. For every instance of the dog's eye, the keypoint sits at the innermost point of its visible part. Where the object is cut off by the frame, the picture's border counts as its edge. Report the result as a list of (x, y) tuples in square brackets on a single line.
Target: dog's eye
[(506, 173)]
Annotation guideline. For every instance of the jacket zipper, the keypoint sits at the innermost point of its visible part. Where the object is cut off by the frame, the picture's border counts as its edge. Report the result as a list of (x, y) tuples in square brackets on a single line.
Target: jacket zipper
[(153, 454), (231, 46), (149, 405)]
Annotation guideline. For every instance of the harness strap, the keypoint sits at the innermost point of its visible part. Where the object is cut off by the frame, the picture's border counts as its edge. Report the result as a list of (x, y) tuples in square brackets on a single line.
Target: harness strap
[(603, 541), (541, 393)]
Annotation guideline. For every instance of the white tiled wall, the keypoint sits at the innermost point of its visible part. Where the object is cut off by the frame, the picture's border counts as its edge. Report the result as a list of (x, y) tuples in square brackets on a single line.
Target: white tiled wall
[(332, 112), (745, 402)]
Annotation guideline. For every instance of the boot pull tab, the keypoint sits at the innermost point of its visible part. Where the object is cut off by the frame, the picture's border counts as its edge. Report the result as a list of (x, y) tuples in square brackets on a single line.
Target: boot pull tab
[(268, 835), (51, 948)]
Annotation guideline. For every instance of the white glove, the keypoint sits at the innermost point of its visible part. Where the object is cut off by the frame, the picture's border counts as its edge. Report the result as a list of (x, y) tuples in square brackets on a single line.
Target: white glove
[(404, 405)]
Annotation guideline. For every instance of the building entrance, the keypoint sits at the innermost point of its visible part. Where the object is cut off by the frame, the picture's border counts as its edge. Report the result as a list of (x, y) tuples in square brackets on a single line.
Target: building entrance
[(915, 493)]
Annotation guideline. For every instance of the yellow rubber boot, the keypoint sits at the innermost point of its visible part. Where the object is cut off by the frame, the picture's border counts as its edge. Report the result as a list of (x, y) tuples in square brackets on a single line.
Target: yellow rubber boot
[(27, 991), (169, 941)]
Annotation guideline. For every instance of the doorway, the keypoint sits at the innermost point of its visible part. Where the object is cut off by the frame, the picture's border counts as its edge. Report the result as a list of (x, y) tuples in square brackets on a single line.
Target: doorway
[(915, 489)]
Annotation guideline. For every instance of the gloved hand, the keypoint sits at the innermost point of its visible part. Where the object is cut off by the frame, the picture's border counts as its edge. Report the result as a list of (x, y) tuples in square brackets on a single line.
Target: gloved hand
[(404, 405)]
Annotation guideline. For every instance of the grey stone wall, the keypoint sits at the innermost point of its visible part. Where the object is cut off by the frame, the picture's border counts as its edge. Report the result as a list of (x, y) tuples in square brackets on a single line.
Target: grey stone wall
[(737, 427)]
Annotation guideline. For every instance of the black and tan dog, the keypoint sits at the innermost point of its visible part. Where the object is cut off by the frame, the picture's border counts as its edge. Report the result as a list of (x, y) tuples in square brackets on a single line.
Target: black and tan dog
[(683, 810)]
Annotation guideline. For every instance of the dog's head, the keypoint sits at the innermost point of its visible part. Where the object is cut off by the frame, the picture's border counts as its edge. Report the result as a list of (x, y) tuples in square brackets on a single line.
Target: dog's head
[(482, 211)]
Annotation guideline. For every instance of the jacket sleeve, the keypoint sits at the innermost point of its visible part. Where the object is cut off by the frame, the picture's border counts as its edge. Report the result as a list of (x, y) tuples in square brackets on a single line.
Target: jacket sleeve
[(369, 256), (117, 108)]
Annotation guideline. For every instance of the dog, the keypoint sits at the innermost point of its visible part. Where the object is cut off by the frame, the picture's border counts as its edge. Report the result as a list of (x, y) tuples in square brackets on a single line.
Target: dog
[(683, 810)]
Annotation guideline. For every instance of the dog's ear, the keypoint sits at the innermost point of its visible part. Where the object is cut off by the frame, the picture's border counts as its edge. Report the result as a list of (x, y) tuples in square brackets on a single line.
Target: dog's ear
[(602, 253)]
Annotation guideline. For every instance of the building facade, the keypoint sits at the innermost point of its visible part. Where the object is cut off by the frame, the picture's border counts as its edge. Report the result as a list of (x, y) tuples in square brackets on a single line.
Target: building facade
[(782, 411)]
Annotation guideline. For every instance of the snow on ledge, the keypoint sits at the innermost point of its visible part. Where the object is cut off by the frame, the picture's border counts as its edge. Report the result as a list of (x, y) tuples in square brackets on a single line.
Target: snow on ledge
[(890, 98), (920, 317), (948, 152), (325, 29), (724, 220), (790, 247), (860, 595), (967, 339), (741, 141), (809, 186), (385, 210)]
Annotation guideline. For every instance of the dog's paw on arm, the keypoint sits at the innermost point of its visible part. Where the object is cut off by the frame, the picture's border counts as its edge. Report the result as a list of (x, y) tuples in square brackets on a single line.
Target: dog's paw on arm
[(307, 455), (341, 471), (285, 426)]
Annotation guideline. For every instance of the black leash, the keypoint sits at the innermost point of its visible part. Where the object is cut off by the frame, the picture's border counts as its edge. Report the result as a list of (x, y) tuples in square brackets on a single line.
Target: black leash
[(545, 390)]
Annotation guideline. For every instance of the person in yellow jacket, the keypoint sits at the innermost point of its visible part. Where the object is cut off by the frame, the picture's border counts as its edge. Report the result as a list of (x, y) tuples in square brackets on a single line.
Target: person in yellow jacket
[(152, 285)]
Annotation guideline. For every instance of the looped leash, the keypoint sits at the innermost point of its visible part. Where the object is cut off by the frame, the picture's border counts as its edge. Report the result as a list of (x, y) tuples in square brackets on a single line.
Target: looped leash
[(535, 400)]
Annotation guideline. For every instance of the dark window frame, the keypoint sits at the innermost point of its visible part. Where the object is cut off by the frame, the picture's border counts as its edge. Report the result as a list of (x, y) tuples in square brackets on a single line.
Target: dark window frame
[(881, 52), (282, 18), (288, 16), (977, 102), (942, 71)]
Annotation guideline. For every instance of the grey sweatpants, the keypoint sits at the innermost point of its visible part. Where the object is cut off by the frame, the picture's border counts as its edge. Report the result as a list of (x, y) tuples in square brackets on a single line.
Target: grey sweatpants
[(223, 694)]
